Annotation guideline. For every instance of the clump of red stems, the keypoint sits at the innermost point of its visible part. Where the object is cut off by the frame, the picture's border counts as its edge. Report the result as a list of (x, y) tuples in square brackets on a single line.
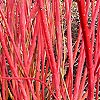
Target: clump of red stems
[(38, 58)]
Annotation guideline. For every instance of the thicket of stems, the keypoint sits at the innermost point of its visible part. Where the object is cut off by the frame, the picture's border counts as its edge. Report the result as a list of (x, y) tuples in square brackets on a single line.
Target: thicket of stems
[(38, 58)]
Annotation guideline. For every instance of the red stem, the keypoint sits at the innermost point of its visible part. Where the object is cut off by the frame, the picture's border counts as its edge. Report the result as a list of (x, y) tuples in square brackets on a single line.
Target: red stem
[(87, 43)]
